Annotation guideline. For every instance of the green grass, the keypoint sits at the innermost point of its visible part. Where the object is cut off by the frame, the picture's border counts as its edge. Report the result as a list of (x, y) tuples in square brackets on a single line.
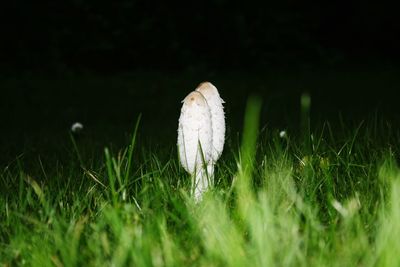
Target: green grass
[(326, 197)]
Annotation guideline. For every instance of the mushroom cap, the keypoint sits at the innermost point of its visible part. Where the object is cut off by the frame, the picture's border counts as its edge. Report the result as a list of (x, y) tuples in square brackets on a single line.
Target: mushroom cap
[(195, 133), (209, 91), (214, 101)]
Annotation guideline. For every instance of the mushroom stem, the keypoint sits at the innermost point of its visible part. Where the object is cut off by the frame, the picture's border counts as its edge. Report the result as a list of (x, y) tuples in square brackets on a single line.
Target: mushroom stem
[(210, 171), (203, 179)]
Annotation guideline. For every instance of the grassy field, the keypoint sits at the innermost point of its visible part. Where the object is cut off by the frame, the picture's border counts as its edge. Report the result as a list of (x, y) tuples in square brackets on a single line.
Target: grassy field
[(321, 196)]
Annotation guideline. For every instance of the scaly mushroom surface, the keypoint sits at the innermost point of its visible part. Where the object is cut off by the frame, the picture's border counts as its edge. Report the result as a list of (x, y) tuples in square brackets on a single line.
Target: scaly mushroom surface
[(214, 101), (195, 140)]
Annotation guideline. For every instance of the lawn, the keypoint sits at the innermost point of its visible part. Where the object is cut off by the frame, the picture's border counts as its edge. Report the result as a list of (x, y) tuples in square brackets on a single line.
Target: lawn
[(324, 193)]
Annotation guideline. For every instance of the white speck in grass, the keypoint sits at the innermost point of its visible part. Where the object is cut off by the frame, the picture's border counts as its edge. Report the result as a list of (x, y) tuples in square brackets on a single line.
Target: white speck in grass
[(282, 134), (77, 127)]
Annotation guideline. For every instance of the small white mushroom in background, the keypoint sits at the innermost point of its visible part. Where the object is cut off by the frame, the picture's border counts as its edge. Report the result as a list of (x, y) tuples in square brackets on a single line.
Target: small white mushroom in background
[(77, 127), (201, 135)]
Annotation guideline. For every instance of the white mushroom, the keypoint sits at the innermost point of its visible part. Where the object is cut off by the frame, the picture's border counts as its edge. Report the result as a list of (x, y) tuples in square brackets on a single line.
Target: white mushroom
[(76, 127), (195, 140), (214, 101)]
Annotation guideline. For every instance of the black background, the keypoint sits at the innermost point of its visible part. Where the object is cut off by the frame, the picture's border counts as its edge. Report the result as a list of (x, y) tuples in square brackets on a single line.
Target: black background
[(111, 36)]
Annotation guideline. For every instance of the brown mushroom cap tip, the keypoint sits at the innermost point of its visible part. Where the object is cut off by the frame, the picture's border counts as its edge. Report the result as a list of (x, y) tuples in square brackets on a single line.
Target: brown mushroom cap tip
[(194, 98)]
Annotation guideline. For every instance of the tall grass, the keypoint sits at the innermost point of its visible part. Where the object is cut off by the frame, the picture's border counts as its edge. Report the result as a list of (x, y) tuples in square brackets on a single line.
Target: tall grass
[(323, 199)]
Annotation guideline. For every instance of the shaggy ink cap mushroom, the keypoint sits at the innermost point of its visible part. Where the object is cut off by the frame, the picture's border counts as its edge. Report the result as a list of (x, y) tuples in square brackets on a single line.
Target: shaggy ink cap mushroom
[(214, 101), (194, 132), (201, 135)]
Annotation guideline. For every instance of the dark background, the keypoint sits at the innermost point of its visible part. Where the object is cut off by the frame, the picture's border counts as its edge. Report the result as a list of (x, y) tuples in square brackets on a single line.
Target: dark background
[(111, 36), (104, 62)]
